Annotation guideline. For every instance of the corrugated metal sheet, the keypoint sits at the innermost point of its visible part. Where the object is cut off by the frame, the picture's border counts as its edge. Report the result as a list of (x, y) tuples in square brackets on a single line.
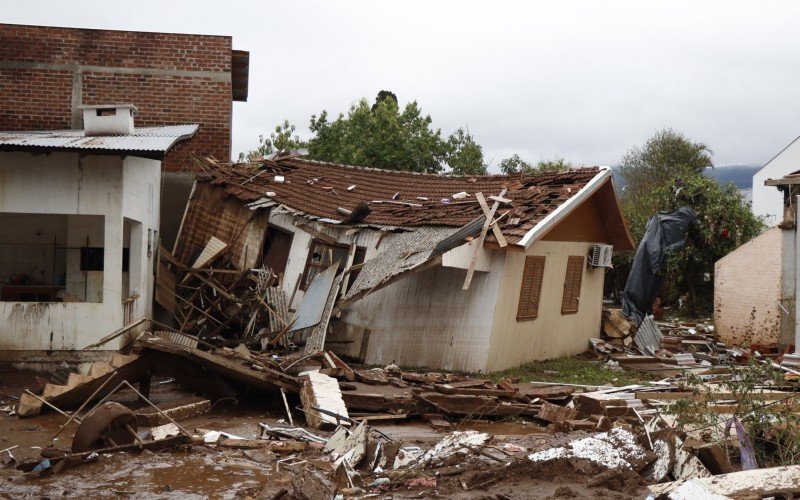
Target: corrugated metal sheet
[(310, 311), (648, 336), (149, 139), (460, 237)]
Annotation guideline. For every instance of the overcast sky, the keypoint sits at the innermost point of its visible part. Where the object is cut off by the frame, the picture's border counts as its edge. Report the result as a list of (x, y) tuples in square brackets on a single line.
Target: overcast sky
[(580, 80)]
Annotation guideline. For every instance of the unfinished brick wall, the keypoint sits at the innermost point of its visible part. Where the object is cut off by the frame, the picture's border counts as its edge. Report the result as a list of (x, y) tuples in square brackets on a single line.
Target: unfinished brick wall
[(747, 293), (46, 73)]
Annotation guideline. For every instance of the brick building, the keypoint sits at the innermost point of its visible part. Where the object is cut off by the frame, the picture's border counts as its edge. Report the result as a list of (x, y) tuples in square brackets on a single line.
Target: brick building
[(47, 73)]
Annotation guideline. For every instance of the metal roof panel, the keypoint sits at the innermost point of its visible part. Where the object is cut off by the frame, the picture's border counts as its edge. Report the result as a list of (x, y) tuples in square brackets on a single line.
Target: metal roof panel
[(146, 139)]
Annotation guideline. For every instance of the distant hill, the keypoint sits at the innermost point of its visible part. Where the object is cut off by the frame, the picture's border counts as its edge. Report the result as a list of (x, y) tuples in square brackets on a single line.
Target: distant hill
[(740, 175)]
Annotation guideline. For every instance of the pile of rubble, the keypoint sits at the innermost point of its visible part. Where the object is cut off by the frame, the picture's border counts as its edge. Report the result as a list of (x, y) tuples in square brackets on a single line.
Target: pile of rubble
[(236, 340)]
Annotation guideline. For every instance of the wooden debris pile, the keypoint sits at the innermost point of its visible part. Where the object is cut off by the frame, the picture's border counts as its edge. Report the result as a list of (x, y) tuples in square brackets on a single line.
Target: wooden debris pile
[(682, 343), (215, 301)]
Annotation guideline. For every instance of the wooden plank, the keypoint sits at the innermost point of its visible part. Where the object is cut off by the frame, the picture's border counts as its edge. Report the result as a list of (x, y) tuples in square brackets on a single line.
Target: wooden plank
[(165, 287), (115, 334), (475, 406), (263, 444), (214, 247), (713, 396), (265, 378), (448, 389), (481, 238), (501, 240)]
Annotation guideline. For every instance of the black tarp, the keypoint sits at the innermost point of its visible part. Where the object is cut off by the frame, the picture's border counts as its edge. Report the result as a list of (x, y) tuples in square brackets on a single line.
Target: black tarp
[(665, 233)]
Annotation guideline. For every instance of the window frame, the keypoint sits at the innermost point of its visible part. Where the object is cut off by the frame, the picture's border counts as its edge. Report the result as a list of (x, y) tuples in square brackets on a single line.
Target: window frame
[(533, 270), (342, 264)]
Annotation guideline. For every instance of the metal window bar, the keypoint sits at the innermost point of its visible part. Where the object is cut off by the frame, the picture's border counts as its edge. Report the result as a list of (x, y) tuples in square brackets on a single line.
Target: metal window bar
[(48, 269)]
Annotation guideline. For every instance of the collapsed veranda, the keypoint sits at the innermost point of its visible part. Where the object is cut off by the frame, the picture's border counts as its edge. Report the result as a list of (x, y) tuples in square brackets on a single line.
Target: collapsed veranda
[(419, 287)]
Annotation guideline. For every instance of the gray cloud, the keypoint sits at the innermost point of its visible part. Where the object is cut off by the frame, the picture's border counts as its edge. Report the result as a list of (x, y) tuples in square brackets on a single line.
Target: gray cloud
[(580, 80)]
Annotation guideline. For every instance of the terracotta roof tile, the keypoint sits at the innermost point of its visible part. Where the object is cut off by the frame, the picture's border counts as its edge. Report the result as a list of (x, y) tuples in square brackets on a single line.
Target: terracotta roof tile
[(403, 199)]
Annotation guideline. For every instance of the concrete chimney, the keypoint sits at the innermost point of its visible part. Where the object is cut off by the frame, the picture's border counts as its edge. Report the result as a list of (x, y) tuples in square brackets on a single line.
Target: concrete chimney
[(108, 119)]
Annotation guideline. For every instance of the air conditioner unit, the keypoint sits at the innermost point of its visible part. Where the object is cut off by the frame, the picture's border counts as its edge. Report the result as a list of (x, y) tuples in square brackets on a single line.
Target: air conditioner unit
[(601, 255)]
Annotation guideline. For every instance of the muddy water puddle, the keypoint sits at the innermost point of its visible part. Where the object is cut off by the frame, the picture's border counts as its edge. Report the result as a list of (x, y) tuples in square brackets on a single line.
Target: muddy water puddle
[(198, 474)]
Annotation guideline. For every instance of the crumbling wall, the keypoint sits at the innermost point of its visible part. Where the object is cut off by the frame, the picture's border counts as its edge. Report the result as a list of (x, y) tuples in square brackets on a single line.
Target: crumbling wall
[(747, 291), (210, 213), (424, 319), (551, 334)]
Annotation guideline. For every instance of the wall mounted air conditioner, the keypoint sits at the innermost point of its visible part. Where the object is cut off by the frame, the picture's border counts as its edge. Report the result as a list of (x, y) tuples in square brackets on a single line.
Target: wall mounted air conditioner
[(601, 255)]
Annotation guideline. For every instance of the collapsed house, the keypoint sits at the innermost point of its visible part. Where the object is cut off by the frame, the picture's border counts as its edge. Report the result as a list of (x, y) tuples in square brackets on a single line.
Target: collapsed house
[(79, 212), (473, 273)]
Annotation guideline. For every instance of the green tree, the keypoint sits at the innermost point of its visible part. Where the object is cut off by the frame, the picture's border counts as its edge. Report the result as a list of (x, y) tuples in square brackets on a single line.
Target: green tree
[(665, 174), (283, 138), (465, 156), (663, 157), (514, 165), (379, 136)]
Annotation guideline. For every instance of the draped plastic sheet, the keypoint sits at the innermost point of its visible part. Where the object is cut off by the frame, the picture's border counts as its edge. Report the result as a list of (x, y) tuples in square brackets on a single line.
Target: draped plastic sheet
[(665, 233)]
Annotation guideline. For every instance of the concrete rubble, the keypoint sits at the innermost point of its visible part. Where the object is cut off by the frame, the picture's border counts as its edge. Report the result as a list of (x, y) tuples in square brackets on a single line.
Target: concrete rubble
[(341, 431)]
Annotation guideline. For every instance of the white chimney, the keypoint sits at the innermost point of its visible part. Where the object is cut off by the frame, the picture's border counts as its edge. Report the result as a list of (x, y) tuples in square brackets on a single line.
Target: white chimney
[(108, 119)]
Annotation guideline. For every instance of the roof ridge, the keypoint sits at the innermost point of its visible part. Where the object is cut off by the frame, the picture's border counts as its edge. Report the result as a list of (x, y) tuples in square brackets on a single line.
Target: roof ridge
[(426, 174)]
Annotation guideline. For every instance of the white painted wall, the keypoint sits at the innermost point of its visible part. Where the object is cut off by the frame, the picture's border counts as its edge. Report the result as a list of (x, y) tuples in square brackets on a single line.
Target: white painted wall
[(64, 183), (767, 200), (141, 203), (427, 320)]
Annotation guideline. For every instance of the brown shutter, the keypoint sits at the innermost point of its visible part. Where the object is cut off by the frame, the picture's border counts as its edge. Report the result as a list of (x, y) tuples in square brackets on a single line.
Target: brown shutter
[(572, 284), (531, 288)]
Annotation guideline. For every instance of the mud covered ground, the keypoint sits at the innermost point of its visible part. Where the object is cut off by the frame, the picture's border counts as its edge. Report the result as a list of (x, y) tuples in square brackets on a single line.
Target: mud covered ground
[(202, 471)]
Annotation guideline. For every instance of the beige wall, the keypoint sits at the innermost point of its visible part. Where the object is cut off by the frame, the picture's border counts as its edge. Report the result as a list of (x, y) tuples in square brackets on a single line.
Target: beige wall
[(552, 334), (747, 288)]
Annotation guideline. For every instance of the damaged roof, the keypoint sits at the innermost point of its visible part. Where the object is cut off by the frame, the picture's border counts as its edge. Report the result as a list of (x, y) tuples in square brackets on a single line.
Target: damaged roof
[(149, 141), (399, 198)]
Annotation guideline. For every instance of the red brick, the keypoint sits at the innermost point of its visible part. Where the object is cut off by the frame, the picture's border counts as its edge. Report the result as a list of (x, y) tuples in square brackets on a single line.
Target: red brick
[(37, 99)]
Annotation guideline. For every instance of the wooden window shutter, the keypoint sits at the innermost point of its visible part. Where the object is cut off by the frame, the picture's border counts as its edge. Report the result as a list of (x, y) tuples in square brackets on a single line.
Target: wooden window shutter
[(531, 288), (572, 284)]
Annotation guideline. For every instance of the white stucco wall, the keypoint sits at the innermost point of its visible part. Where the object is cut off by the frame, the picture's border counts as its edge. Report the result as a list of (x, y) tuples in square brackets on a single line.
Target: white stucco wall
[(427, 320), (64, 183), (767, 200), (141, 203)]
